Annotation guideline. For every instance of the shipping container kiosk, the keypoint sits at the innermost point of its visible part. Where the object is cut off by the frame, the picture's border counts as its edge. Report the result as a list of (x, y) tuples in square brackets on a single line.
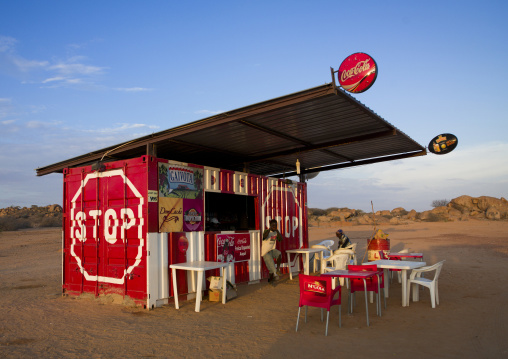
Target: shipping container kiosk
[(206, 191)]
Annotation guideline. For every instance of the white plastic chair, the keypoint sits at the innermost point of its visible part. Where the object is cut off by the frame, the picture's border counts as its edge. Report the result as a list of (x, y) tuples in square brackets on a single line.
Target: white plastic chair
[(352, 246), (350, 252), (326, 245), (417, 279), (337, 261)]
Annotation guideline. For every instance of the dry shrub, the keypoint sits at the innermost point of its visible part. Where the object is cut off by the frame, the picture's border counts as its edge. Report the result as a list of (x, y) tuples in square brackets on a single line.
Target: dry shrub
[(432, 217), (10, 223), (51, 222), (439, 203), (26, 220), (316, 212)]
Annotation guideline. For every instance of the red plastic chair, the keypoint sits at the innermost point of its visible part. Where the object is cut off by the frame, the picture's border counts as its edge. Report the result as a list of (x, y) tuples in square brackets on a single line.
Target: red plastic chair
[(391, 271), (316, 291), (357, 285)]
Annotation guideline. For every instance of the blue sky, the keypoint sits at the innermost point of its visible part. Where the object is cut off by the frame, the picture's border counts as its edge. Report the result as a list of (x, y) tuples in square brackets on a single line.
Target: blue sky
[(79, 76)]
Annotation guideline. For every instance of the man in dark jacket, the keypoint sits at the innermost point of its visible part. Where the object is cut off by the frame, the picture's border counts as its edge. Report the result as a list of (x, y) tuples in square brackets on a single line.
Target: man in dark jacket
[(343, 239)]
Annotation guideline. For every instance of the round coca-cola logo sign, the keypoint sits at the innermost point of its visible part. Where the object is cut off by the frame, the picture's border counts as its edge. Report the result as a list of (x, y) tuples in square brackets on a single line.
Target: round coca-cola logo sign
[(357, 72)]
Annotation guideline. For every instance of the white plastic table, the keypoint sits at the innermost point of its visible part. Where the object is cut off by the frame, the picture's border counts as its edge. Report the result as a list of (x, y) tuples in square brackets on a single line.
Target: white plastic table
[(200, 267), (307, 252), (403, 266)]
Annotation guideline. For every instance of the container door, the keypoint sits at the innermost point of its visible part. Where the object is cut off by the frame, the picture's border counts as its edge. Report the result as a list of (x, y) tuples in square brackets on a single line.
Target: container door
[(105, 229)]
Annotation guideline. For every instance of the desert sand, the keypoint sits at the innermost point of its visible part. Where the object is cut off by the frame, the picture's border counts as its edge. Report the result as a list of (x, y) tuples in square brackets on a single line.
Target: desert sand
[(36, 321)]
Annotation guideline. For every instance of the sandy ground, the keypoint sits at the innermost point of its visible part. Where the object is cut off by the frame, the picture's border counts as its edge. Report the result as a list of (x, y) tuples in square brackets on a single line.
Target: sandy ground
[(470, 322)]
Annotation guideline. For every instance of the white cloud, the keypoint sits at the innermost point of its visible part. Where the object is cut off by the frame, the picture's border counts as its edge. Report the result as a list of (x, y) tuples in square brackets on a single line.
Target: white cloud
[(35, 124), (133, 89), (76, 68), (207, 112), (53, 79), (7, 43), (7, 122), (73, 71), (70, 71), (121, 128), (28, 65)]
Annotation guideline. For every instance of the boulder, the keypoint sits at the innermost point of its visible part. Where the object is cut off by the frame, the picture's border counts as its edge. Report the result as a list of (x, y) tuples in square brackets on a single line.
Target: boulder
[(490, 202), (412, 215), (440, 210), (454, 214), (365, 219), (477, 214), (394, 220), (463, 202), (55, 208), (343, 214), (424, 215), (398, 211), (493, 213)]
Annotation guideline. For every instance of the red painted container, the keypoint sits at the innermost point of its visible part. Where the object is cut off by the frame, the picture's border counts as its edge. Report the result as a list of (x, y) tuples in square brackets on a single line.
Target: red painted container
[(105, 226), (125, 222)]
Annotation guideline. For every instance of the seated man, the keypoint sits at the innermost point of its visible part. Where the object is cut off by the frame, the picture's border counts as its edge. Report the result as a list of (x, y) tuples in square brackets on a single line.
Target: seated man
[(268, 251), (343, 239)]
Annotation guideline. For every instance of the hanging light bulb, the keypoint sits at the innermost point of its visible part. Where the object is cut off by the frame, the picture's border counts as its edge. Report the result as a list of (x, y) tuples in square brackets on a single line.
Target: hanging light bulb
[(297, 166)]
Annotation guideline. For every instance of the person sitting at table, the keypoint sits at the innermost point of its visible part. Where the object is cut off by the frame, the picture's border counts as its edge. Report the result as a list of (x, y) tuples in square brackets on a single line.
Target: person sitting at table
[(268, 251), (344, 241)]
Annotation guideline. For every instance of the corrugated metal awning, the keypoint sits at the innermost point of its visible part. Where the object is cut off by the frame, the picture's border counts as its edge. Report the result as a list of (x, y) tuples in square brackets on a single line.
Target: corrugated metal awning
[(323, 127)]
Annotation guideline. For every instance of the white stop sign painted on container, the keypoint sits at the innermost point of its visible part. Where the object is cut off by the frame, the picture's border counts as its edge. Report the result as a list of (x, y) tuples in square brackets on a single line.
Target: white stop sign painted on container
[(114, 225), (288, 214)]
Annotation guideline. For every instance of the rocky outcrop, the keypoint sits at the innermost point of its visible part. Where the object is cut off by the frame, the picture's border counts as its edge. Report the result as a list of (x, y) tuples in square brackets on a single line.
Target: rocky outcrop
[(462, 208), (25, 212), (13, 218), (481, 207)]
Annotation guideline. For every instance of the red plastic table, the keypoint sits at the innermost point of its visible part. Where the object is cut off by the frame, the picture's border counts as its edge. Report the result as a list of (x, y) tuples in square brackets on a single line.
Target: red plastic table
[(405, 255), (360, 275)]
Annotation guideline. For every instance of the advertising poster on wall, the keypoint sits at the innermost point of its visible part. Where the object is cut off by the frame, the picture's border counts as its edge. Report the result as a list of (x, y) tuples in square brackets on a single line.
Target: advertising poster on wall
[(233, 247), (180, 198)]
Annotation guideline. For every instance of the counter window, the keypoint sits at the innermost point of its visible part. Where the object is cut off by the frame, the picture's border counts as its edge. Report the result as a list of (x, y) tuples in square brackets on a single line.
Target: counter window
[(229, 212)]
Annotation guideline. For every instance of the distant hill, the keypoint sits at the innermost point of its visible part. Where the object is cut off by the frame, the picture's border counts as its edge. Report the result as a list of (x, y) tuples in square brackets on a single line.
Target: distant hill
[(14, 218), (462, 208)]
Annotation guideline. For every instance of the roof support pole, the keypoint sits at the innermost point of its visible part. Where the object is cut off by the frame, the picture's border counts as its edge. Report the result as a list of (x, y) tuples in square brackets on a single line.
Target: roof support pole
[(151, 149)]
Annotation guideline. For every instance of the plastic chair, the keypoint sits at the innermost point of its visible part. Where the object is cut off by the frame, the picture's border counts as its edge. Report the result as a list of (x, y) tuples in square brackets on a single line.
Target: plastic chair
[(417, 279), (326, 245), (356, 284), (316, 291), (392, 271), (338, 261), (350, 252), (352, 246)]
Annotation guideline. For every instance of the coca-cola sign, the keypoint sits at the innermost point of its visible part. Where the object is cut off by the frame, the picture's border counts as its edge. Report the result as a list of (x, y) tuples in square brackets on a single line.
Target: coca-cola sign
[(357, 72)]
